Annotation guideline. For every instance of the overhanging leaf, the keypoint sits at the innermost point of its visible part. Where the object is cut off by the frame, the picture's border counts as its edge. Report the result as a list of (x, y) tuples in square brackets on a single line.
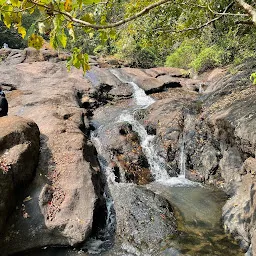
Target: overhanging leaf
[(91, 1), (22, 31), (68, 5), (63, 39)]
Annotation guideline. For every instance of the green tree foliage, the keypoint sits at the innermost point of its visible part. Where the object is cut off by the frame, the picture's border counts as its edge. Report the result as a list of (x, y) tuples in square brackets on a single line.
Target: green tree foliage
[(147, 30), (184, 54)]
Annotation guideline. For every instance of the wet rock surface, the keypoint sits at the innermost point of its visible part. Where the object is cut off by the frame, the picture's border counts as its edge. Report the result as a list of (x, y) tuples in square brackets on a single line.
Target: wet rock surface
[(160, 79), (167, 116)]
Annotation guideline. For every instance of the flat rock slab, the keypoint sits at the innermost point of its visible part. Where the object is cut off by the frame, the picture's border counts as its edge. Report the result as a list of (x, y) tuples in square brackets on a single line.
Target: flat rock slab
[(160, 71), (100, 77), (160, 79)]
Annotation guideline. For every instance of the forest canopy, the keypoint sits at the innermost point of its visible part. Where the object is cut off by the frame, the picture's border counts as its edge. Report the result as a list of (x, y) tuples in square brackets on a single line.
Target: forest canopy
[(196, 34)]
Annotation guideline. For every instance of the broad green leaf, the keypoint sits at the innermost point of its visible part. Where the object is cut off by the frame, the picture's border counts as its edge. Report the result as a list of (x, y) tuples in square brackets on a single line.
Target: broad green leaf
[(71, 31), (22, 31), (30, 31), (7, 20), (53, 40), (78, 60), (15, 3), (62, 38)]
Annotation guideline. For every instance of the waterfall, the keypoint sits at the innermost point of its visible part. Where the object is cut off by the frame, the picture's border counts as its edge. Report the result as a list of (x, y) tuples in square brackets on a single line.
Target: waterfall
[(182, 159), (104, 238), (156, 163), (181, 179), (139, 95)]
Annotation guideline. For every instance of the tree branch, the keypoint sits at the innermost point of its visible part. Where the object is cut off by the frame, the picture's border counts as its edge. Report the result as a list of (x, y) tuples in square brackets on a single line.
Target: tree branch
[(111, 25), (249, 9), (195, 28), (205, 24)]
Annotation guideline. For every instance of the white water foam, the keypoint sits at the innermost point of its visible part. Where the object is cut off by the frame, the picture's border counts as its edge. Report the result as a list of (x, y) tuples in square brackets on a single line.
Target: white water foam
[(182, 162), (179, 181), (156, 163), (139, 94)]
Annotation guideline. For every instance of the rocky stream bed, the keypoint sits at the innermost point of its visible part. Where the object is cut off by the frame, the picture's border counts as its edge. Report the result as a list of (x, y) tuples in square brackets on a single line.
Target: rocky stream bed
[(125, 161)]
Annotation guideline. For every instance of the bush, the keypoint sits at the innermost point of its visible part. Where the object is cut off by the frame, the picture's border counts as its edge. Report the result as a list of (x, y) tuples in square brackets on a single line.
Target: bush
[(143, 57), (183, 55), (139, 57), (193, 54), (209, 57)]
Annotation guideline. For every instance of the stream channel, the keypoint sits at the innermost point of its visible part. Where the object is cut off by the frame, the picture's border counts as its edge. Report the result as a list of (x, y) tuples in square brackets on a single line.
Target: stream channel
[(198, 207)]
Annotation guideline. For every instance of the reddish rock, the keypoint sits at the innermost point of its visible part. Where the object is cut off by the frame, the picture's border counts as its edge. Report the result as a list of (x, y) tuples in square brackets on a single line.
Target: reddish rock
[(48, 96), (19, 151), (160, 71)]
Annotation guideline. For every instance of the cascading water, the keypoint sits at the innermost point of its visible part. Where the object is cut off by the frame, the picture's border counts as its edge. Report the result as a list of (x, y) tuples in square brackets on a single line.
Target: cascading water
[(104, 238), (182, 158), (139, 95), (199, 210), (156, 163), (181, 180)]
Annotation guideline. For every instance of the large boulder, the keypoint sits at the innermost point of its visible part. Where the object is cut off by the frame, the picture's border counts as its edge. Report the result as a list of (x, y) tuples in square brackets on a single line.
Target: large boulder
[(144, 220), (29, 55), (239, 211), (58, 207), (19, 152), (105, 81)]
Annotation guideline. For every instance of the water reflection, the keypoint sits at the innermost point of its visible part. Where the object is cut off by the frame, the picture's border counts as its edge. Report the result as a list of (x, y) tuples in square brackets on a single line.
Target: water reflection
[(198, 210)]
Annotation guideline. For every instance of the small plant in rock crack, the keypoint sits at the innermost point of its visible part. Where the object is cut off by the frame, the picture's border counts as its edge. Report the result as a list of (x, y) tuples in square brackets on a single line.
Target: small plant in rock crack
[(253, 78)]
